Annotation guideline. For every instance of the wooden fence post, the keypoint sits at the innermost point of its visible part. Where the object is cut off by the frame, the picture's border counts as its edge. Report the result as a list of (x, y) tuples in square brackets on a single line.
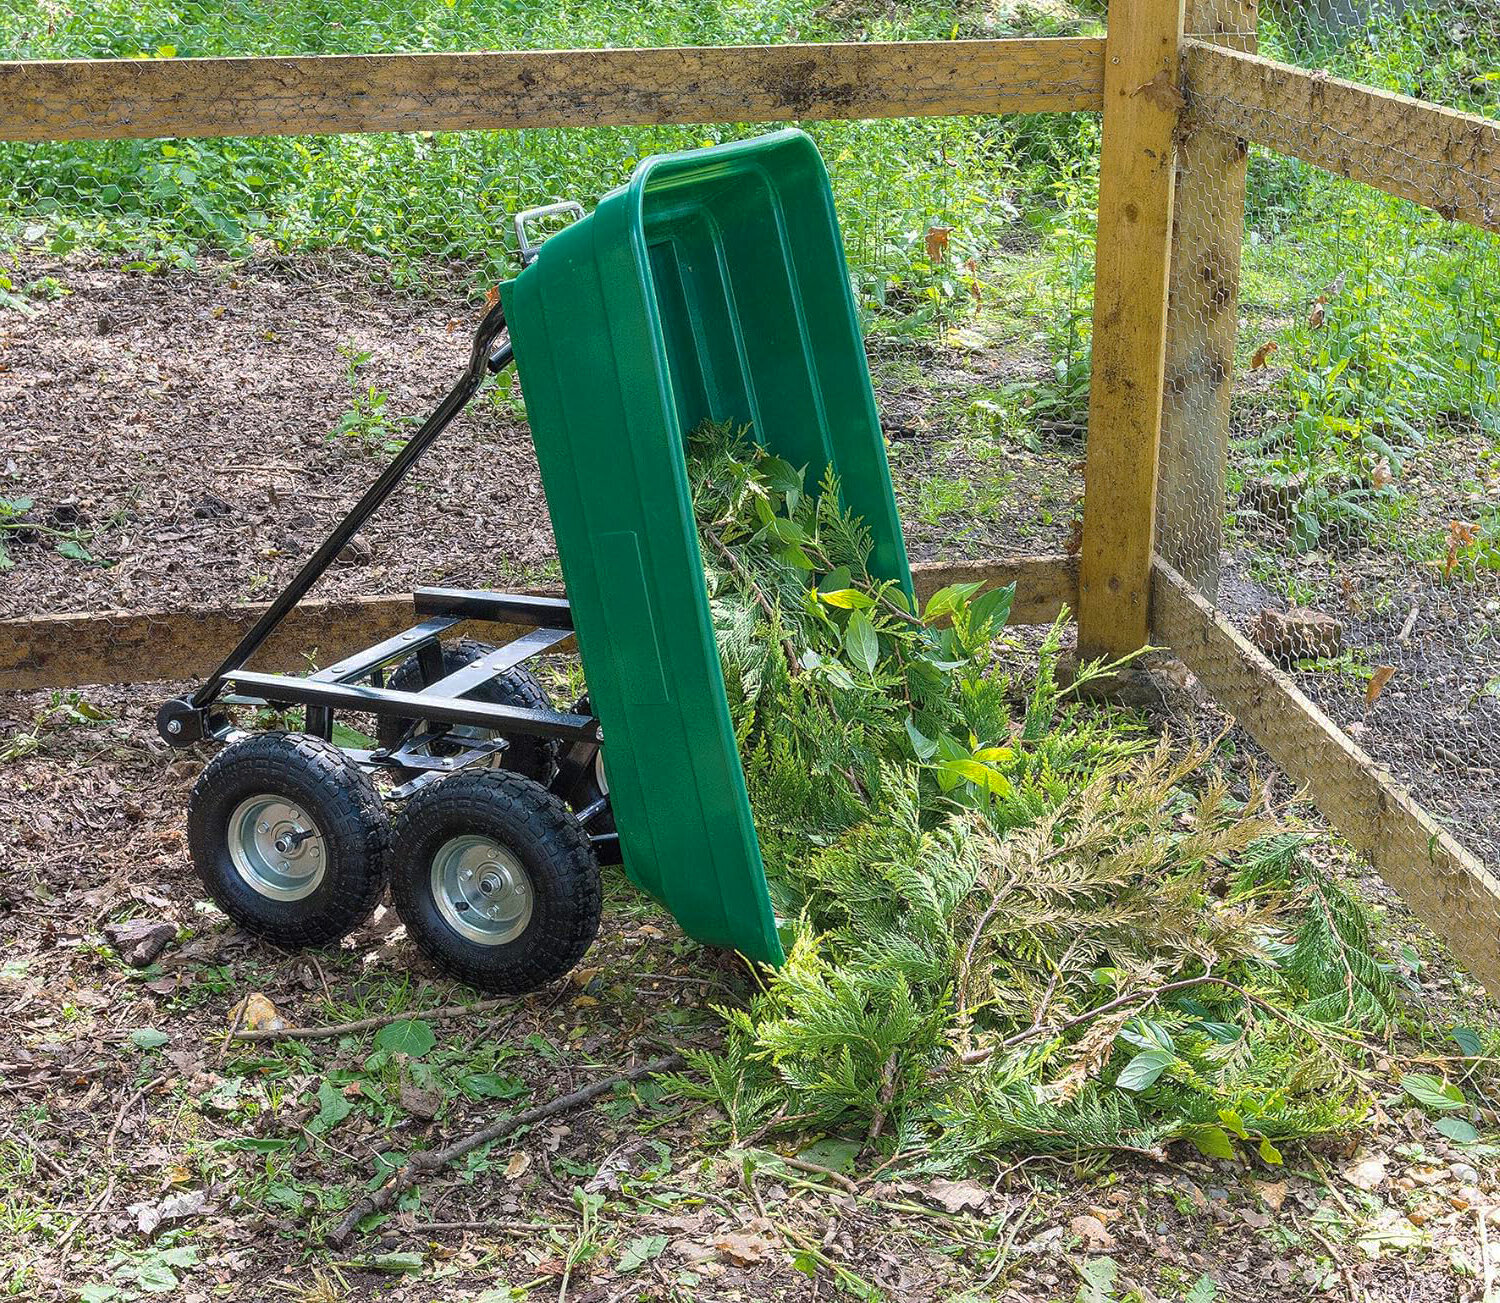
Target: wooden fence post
[(1202, 323), (1137, 177)]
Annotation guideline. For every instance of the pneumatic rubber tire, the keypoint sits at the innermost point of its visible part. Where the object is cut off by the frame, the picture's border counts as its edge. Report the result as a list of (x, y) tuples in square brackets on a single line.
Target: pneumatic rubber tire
[(535, 833), (536, 757), (289, 774)]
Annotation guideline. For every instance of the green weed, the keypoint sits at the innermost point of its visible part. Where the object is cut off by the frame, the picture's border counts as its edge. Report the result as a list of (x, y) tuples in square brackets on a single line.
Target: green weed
[(365, 419)]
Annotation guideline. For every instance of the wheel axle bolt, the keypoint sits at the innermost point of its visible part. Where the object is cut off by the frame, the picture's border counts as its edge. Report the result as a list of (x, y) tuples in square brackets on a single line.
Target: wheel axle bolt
[(174, 726)]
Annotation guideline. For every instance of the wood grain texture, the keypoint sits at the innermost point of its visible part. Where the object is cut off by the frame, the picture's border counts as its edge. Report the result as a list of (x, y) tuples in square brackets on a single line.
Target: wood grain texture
[(1137, 179), (93, 99), (1438, 157), (1208, 231), (61, 651), (1447, 887)]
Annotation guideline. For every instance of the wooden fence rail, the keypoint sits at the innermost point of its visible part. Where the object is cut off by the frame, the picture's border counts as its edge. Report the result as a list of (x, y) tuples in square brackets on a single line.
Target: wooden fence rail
[(1446, 886), (63, 651), (95, 99), (1438, 157)]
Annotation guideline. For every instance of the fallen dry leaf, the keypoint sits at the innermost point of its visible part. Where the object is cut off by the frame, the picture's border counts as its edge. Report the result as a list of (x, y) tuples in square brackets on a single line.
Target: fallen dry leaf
[(1092, 1233), (1366, 1171), (1262, 355), (1162, 91), (174, 1208), (955, 1196), (1378, 680), (937, 243), (744, 1248), (1271, 1193), (515, 1169), (256, 1013), (1075, 537), (422, 1102)]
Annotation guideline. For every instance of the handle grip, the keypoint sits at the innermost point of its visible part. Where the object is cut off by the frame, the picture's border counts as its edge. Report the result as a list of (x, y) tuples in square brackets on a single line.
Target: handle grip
[(528, 250)]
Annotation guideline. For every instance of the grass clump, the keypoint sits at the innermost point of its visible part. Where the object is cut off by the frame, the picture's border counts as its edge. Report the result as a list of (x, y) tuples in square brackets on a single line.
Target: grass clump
[(1014, 921)]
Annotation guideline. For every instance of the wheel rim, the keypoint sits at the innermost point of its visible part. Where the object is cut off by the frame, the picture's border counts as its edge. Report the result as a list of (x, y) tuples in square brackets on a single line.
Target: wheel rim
[(276, 848), (482, 889)]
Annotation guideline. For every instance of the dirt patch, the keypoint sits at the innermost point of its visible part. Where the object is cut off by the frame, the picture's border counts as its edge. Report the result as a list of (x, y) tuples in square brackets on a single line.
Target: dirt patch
[(141, 1152), (183, 424), (181, 428)]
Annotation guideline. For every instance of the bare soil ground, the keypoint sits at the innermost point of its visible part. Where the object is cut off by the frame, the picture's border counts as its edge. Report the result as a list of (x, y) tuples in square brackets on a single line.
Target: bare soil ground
[(145, 1152), (181, 427)]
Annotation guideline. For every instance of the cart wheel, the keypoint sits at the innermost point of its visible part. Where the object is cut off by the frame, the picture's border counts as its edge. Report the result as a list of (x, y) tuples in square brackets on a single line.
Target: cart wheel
[(290, 837), (495, 881), (536, 757)]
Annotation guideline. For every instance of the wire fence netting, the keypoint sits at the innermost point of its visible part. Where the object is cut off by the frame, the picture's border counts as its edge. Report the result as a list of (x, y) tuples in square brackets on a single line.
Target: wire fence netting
[(1357, 539)]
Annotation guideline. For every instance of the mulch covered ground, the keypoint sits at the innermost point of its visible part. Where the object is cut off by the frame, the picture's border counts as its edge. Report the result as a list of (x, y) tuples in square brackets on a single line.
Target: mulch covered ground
[(184, 427), (178, 427)]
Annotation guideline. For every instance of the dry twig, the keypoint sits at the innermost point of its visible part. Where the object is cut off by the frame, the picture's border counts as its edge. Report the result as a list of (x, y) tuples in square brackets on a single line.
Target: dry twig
[(428, 1161), (370, 1024)]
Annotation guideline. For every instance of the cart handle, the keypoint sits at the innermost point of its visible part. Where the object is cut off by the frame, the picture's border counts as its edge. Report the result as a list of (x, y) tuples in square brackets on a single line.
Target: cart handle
[(489, 353), (528, 250)]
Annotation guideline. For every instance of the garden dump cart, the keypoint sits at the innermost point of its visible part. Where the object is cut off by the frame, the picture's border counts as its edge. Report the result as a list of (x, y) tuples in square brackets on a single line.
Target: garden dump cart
[(711, 287)]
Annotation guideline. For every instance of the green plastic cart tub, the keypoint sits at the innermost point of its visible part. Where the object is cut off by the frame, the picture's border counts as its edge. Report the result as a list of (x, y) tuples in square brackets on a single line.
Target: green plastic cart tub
[(711, 286)]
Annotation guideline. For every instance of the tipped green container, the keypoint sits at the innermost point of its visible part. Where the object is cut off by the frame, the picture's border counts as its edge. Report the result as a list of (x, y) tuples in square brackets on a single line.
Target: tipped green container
[(711, 287)]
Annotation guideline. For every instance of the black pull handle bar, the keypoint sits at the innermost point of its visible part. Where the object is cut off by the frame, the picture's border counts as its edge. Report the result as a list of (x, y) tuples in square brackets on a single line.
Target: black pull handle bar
[(486, 357)]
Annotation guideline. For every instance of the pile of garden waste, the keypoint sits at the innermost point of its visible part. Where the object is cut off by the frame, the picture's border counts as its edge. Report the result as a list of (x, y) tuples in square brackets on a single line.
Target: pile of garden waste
[(1015, 921)]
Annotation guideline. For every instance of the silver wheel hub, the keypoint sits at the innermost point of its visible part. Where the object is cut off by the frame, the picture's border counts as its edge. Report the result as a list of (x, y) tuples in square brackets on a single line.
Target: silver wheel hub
[(482, 889), (276, 848)]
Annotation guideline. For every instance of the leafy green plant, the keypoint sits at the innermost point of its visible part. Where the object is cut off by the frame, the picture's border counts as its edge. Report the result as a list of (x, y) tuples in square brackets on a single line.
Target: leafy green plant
[(365, 418), (1012, 925), (1070, 224), (16, 523)]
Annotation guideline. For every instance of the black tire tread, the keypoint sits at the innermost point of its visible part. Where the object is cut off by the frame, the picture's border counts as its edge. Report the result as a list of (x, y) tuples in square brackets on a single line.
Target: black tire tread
[(350, 814), (533, 756), (541, 829)]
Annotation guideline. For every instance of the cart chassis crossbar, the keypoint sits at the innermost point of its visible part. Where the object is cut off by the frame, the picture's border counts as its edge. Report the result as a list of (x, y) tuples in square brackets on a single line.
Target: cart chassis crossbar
[(430, 705)]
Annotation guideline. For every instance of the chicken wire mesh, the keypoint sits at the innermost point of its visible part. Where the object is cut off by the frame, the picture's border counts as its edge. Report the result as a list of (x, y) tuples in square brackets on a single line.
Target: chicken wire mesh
[(1349, 526)]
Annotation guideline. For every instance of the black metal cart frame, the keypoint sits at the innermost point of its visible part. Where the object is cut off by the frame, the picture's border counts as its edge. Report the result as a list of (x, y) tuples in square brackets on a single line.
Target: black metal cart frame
[(447, 730)]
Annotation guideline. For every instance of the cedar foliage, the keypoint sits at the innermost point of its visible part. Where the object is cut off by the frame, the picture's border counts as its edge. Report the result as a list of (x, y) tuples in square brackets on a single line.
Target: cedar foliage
[(1013, 921)]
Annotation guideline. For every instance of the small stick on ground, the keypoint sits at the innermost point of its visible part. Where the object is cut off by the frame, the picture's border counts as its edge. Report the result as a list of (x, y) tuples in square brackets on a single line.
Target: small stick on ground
[(370, 1024), (429, 1161), (1486, 1263), (1351, 1286), (134, 1098), (814, 1169)]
